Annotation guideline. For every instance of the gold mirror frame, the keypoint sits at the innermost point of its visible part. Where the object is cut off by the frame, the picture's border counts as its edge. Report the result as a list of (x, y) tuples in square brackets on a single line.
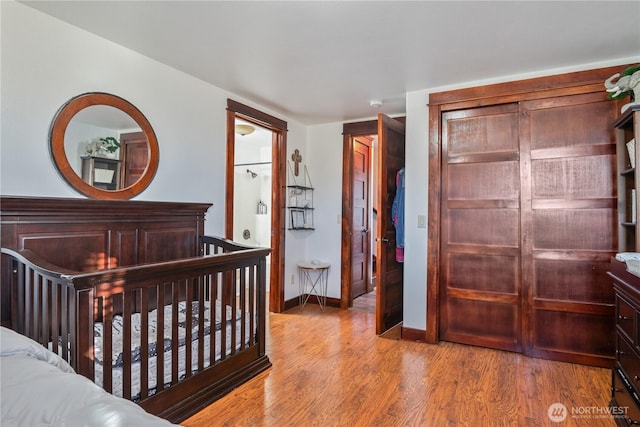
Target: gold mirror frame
[(56, 145)]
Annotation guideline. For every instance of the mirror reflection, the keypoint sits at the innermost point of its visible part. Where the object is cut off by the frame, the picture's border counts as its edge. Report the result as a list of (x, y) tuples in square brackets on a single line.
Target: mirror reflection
[(96, 142), (103, 146)]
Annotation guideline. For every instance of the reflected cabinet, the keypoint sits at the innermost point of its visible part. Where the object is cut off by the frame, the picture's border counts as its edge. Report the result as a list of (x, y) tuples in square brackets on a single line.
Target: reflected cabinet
[(102, 173)]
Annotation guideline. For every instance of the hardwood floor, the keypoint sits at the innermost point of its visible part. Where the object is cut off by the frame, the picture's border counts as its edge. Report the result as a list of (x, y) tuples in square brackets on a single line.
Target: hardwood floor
[(365, 303), (330, 369)]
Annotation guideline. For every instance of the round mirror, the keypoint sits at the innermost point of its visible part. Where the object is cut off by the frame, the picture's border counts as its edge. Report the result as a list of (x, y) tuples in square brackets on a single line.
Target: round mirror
[(103, 146)]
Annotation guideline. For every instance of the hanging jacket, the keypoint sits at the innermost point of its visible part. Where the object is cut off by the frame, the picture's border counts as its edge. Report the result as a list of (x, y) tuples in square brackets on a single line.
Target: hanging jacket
[(397, 215)]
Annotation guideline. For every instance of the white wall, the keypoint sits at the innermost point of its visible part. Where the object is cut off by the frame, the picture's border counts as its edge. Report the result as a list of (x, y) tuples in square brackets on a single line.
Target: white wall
[(416, 192), (324, 154)]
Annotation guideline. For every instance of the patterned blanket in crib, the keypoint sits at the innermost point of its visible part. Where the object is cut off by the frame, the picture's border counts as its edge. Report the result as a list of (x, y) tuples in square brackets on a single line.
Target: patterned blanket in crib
[(136, 330)]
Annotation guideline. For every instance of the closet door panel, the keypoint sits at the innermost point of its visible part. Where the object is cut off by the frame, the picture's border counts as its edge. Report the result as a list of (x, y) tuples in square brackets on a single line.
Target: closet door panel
[(583, 281), (480, 244), (471, 133), (589, 176), (569, 215), (572, 121), (483, 181), (484, 273), (485, 227), (591, 337), (574, 229), (485, 323)]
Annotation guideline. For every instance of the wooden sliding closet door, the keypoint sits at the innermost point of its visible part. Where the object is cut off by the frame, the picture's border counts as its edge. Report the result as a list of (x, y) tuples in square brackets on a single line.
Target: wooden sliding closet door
[(569, 233), (528, 226), (480, 292)]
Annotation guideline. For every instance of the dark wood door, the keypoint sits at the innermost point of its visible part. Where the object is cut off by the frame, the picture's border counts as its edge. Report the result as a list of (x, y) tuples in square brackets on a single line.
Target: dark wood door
[(135, 157), (360, 245), (528, 225), (391, 148), (569, 231), (480, 246)]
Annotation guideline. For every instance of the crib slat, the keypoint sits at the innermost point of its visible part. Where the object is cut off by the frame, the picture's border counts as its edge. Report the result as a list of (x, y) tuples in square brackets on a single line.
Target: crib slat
[(28, 303), (127, 298), (17, 304), (188, 328), (175, 299), (64, 326), (201, 306), (35, 308), (46, 325), (82, 341), (107, 343), (160, 338), (144, 343), (242, 306), (213, 298), (252, 287), (233, 303), (224, 298), (55, 316)]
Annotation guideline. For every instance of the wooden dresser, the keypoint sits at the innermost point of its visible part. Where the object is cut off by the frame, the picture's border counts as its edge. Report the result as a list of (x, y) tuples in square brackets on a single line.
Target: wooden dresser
[(625, 391)]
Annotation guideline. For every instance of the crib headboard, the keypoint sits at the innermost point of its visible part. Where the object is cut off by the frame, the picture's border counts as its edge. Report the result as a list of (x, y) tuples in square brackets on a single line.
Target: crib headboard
[(89, 234)]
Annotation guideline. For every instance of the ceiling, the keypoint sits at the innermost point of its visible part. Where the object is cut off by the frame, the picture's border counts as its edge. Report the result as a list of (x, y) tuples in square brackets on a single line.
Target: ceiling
[(324, 61)]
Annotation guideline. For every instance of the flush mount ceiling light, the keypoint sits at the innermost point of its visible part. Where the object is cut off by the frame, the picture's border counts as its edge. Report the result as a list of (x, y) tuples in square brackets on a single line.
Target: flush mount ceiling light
[(375, 103), (244, 129)]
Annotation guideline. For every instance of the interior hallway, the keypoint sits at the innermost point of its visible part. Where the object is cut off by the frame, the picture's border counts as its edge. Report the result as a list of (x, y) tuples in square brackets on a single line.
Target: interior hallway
[(330, 369)]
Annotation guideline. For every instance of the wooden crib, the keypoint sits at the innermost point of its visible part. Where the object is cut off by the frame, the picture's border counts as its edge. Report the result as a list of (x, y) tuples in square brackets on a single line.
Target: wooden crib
[(170, 319)]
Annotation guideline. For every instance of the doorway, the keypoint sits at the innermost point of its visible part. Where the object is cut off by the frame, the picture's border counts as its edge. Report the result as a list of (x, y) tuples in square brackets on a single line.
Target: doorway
[(359, 215), (255, 190), (364, 217), (361, 245), (252, 186)]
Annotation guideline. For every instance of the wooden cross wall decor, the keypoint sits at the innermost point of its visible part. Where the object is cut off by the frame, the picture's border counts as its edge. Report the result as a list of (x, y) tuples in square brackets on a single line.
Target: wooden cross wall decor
[(297, 158)]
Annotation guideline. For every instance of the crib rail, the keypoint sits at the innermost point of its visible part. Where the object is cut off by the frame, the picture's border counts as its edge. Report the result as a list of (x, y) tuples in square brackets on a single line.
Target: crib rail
[(214, 304)]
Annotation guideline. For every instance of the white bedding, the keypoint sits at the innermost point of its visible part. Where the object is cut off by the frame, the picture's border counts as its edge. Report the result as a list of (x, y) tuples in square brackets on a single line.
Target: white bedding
[(38, 388)]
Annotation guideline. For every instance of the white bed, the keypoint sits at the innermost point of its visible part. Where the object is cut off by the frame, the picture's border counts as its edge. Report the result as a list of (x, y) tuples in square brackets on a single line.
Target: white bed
[(38, 388)]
